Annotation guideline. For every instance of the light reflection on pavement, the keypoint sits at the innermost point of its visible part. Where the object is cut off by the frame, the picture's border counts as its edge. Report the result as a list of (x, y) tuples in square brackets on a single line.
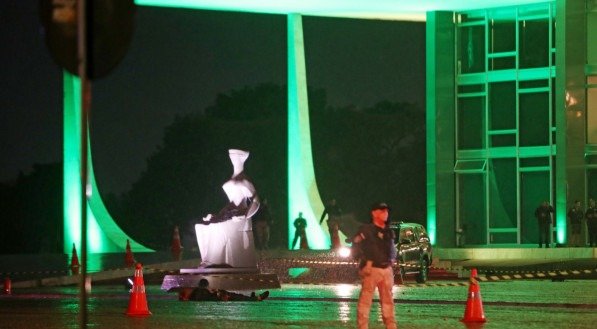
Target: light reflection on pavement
[(512, 304)]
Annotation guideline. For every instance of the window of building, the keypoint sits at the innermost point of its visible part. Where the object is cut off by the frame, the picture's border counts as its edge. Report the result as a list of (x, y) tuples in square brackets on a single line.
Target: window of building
[(471, 123), (502, 105), (534, 119)]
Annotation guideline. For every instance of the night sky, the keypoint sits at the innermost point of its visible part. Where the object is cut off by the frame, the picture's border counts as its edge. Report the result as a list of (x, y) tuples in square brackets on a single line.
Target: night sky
[(178, 62)]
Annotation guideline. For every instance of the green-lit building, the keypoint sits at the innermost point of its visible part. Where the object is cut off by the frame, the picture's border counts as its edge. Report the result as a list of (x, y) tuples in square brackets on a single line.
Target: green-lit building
[(511, 116), (511, 119)]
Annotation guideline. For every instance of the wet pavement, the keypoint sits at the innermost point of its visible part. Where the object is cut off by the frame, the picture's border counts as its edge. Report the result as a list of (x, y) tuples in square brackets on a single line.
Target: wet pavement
[(507, 304), (536, 303)]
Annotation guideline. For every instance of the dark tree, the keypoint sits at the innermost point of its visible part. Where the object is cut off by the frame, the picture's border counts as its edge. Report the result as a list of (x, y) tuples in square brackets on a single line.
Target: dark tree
[(360, 156), (183, 179), (31, 211), (376, 153)]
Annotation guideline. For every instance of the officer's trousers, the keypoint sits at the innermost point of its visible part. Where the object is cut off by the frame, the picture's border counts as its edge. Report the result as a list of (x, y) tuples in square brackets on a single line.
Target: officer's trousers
[(383, 279)]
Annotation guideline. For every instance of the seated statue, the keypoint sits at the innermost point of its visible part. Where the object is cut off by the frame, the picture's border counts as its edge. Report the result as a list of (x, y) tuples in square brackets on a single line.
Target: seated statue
[(226, 238)]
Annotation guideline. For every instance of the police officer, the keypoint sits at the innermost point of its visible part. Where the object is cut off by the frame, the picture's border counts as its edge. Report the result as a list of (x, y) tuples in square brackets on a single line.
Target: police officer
[(334, 213), (575, 216), (543, 214), (262, 223), (300, 225), (591, 216), (374, 243)]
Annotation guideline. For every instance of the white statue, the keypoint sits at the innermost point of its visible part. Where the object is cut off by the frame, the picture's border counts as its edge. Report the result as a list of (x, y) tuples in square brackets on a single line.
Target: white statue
[(226, 238)]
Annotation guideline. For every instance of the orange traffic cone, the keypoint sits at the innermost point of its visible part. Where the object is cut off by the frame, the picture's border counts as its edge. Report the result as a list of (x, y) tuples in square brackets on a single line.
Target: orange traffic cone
[(474, 305), (129, 259), (138, 300), (74, 261), (7, 286), (176, 246)]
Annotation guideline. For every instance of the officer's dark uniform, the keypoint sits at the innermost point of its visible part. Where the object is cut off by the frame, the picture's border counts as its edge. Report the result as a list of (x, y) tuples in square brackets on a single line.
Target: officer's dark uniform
[(591, 216), (376, 245), (575, 215), (543, 214)]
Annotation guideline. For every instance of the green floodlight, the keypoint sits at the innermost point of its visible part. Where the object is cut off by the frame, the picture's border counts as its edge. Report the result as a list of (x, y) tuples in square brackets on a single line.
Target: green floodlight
[(103, 234), (303, 195), (71, 166), (365, 9)]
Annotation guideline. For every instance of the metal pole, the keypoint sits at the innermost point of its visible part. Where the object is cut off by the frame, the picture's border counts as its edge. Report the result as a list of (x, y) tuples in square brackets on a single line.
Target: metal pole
[(82, 55)]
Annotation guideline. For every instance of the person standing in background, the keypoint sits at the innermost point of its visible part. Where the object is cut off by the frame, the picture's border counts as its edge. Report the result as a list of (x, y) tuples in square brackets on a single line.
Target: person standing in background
[(575, 216), (300, 225), (543, 214), (591, 216), (334, 213), (262, 224)]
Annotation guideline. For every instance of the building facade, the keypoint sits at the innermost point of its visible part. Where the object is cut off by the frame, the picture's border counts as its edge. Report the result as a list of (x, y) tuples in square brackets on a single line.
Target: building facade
[(511, 117), (511, 120)]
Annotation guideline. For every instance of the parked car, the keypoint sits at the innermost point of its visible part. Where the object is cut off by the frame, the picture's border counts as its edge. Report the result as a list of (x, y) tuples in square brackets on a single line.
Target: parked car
[(414, 250)]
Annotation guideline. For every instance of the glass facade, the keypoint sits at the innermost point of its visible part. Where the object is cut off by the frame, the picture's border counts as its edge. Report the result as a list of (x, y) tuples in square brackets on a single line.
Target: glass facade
[(504, 120), (523, 120)]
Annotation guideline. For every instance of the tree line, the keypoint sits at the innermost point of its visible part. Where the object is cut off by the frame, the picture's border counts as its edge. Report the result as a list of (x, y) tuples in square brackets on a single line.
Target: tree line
[(361, 155)]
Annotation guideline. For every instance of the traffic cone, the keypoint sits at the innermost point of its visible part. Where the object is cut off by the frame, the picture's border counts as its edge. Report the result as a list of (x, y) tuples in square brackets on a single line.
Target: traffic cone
[(129, 259), (138, 300), (176, 247), (474, 306), (74, 261), (7, 286)]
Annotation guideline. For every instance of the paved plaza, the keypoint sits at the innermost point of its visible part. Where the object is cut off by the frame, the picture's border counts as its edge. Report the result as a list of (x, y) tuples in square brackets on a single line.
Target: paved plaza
[(507, 304)]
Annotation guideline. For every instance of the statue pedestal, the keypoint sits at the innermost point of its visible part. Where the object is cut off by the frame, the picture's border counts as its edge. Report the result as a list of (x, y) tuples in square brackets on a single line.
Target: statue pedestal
[(228, 261), (233, 281)]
